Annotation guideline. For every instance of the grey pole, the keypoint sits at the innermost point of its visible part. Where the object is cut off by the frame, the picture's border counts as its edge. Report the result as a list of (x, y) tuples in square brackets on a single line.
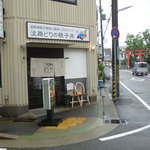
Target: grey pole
[(102, 45)]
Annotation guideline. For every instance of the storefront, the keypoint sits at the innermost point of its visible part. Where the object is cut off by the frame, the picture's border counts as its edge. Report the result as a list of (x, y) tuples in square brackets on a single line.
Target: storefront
[(38, 46)]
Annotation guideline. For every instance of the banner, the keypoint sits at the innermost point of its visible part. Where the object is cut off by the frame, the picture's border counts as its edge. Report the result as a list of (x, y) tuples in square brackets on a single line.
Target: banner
[(45, 67), (57, 32)]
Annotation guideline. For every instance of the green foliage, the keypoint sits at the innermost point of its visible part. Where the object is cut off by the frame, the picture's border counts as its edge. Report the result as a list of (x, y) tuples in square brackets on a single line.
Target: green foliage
[(120, 50), (124, 61), (134, 42), (146, 39), (102, 75)]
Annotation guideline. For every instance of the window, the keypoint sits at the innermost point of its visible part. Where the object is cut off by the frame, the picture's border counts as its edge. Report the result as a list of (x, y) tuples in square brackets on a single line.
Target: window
[(142, 65), (67, 1)]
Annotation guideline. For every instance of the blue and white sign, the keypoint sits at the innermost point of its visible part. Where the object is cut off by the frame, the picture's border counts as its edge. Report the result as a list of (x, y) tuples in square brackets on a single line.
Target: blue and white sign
[(115, 33)]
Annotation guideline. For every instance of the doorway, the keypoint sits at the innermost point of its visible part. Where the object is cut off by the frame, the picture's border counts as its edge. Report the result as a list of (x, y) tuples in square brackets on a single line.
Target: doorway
[(35, 83)]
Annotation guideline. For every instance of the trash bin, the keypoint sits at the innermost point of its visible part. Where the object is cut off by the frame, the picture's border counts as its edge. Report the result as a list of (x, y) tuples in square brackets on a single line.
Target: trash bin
[(100, 83)]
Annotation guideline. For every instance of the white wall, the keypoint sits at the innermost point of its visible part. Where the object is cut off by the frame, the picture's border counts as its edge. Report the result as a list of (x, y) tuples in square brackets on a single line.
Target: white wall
[(76, 64)]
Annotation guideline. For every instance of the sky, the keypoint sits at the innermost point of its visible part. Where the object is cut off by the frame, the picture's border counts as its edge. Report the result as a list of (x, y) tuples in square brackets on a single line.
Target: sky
[(132, 20)]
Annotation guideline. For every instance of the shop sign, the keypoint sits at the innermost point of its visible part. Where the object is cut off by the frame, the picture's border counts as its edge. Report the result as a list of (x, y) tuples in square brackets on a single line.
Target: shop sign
[(56, 32), (1, 20)]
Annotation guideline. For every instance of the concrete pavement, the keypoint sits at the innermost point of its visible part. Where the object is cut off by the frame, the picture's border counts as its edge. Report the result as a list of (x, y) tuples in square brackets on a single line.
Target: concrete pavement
[(79, 124)]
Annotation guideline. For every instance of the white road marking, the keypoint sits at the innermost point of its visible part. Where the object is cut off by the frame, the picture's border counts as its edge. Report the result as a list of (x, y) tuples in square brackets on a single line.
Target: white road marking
[(124, 134), (136, 79), (140, 99)]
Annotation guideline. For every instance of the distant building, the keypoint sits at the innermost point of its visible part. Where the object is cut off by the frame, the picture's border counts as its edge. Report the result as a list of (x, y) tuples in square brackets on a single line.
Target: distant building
[(122, 59), (107, 54)]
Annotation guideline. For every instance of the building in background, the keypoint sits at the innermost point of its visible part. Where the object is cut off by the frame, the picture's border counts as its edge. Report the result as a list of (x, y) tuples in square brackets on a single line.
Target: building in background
[(107, 54), (123, 59), (56, 35)]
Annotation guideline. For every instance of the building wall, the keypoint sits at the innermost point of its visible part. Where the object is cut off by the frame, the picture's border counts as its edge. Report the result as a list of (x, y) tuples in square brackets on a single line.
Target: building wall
[(14, 91)]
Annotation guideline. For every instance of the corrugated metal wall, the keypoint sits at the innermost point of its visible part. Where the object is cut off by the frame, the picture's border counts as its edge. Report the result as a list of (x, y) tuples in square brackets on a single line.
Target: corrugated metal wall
[(14, 61), (51, 11)]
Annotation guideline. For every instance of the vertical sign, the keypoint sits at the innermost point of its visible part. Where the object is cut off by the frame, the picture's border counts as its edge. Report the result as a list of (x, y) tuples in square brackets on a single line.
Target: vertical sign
[(1, 20)]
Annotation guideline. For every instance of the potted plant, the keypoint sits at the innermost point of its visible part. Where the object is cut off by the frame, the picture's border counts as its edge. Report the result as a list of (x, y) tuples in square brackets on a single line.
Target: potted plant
[(102, 75)]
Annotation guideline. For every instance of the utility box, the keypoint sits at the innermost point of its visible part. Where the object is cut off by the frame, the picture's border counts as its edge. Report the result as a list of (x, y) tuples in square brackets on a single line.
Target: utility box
[(48, 93)]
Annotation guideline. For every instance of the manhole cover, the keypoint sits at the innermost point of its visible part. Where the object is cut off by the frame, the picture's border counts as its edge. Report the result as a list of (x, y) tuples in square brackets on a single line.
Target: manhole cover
[(115, 121)]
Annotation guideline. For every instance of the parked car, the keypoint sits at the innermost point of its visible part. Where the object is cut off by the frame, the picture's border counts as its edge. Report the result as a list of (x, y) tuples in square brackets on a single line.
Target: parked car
[(140, 68)]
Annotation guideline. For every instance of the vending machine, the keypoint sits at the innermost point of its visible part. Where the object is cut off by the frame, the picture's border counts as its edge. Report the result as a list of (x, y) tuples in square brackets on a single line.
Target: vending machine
[(48, 93)]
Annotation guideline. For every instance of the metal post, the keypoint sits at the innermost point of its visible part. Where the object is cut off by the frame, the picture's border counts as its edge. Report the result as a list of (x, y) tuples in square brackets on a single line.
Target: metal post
[(102, 94), (102, 45), (115, 52)]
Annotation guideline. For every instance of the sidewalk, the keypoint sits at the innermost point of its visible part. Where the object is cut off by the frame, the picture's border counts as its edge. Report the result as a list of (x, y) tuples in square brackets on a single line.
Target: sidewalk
[(80, 124)]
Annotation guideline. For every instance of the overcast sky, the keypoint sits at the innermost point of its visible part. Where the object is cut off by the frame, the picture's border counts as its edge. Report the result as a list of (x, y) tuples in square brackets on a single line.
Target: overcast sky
[(133, 20)]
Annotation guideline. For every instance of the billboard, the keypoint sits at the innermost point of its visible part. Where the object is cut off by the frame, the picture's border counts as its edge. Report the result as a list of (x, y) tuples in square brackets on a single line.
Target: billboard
[(56, 32)]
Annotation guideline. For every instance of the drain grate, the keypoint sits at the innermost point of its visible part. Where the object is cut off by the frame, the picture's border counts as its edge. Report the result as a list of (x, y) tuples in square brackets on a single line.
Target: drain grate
[(24, 120), (115, 121)]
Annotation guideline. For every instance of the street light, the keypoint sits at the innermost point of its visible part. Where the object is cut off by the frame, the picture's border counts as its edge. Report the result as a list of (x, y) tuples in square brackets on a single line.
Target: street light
[(122, 9), (125, 8)]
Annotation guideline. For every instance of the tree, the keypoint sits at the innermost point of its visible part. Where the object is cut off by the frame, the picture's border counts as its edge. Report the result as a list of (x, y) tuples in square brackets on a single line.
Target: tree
[(140, 41), (146, 39), (134, 42)]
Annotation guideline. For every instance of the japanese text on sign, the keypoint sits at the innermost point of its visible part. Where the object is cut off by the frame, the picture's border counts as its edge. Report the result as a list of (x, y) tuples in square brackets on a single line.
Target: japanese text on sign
[(47, 31)]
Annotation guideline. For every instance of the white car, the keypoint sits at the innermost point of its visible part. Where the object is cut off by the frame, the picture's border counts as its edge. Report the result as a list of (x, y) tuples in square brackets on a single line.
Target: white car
[(140, 68)]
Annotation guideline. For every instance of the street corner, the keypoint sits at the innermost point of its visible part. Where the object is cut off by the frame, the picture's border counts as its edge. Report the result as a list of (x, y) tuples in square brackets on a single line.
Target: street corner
[(69, 126), (71, 130)]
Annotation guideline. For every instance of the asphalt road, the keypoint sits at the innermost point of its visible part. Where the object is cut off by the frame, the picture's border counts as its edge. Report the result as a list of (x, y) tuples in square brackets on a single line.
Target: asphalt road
[(131, 136), (130, 109)]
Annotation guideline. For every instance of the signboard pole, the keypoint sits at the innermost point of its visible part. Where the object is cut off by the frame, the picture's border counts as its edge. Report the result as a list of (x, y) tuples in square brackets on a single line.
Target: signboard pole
[(49, 103)]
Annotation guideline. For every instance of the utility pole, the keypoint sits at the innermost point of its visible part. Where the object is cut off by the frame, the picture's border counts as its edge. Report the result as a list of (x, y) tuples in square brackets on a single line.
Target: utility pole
[(115, 53), (102, 45)]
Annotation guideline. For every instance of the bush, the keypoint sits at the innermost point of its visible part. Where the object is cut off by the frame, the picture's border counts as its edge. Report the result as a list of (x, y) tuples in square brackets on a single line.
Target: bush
[(102, 75)]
